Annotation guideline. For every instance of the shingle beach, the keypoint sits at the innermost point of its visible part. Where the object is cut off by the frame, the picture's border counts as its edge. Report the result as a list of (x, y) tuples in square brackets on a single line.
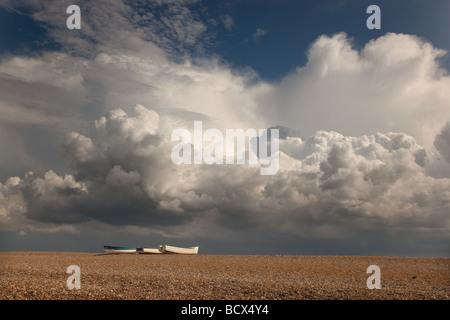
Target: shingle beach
[(42, 275)]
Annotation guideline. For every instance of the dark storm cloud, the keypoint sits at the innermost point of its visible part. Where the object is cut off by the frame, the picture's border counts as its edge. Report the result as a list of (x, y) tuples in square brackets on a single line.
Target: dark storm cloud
[(335, 186)]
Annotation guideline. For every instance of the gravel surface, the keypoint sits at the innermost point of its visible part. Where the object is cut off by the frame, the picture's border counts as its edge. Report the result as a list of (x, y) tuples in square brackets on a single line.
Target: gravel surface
[(42, 275)]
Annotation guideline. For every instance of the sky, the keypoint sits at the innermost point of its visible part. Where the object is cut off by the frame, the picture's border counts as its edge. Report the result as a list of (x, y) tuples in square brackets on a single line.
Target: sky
[(87, 118)]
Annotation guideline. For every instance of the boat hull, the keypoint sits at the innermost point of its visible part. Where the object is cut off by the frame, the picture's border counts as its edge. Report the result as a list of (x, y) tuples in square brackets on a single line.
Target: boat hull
[(116, 249), (178, 250), (148, 250)]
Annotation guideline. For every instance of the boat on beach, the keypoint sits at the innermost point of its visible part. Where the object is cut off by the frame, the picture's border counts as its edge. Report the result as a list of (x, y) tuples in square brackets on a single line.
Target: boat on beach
[(117, 249), (142, 250), (178, 250), (149, 250)]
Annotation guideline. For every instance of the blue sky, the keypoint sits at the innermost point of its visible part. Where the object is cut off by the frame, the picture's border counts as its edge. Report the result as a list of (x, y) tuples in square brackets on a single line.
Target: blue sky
[(290, 27), (293, 25), (88, 115)]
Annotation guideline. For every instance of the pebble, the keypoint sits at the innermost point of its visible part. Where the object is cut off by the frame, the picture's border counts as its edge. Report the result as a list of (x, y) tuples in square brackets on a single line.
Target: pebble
[(42, 275)]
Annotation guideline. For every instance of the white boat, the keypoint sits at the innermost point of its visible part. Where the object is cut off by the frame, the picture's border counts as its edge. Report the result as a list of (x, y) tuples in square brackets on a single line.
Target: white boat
[(149, 250), (116, 249), (178, 250)]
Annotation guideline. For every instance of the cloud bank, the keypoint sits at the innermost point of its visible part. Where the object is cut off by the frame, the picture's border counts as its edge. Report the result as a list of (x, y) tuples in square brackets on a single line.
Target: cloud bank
[(329, 186)]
